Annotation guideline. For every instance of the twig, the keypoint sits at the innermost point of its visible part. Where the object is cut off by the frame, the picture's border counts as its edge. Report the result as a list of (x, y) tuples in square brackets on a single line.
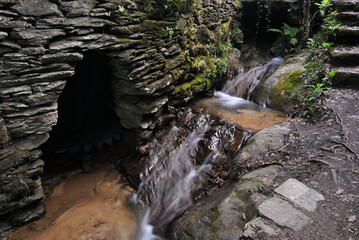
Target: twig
[(280, 149)]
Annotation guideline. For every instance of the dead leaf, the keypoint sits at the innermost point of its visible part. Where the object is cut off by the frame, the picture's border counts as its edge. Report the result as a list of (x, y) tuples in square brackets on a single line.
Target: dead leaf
[(340, 191), (352, 218)]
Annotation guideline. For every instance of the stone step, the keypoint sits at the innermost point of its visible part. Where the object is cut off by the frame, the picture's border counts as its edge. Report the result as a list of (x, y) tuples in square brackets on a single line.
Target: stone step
[(348, 34), (345, 55), (348, 18), (344, 5), (346, 76)]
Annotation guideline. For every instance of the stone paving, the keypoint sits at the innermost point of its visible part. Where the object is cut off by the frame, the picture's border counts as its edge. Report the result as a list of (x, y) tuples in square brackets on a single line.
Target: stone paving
[(285, 209)]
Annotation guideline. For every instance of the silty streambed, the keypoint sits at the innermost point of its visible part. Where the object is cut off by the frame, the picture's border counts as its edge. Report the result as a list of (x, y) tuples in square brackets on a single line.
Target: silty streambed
[(181, 158)]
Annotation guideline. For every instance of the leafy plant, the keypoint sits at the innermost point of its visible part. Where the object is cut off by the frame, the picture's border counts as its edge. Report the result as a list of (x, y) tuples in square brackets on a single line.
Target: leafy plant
[(121, 9), (220, 64), (223, 48), (313, 99), (170, 32), (318, 53), (289, 32)]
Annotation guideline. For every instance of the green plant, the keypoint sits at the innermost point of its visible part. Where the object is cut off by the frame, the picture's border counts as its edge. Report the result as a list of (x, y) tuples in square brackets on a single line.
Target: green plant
[(170, 32), (288, 32), (222, 49), (318, 53), (121, 9), (312, 100), (220, 64), (237, 36)]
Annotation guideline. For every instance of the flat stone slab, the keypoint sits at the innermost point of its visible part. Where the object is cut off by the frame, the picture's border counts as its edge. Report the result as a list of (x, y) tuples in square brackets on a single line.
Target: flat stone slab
[(283, 214), (299, 194), (265, 175), (250, 229)]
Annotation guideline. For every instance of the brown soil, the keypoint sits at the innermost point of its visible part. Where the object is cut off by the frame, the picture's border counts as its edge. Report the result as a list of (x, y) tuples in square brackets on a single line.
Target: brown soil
[(84, 206), (323, 153)]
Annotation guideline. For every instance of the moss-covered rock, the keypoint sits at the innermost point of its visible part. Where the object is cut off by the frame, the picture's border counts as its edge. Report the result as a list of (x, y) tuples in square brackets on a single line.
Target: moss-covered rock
[(224, 33), (282, 89), (188, 90), (284, 94)]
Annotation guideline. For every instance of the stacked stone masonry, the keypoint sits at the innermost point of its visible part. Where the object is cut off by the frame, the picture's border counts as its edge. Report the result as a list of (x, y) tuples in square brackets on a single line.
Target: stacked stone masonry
[(40, 43)]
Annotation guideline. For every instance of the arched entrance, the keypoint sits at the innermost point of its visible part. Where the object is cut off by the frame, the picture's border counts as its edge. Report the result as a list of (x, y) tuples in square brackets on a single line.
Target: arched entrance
[(86, 120)]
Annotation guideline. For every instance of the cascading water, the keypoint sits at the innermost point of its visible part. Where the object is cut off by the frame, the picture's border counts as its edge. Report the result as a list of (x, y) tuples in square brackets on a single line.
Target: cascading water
[(234, 101), (172, 175), (244, 84), (176, 168), (180, 159)]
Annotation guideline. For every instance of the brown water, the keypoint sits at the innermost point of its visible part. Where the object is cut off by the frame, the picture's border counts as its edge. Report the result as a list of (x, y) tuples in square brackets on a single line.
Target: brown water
[(84, 206), (247, 114)]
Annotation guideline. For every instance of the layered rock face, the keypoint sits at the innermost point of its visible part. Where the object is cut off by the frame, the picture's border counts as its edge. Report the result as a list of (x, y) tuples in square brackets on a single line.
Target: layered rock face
[(158, 57)]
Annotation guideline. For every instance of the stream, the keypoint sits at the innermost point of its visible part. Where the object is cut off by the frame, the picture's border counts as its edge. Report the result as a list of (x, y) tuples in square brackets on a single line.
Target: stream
[(174, 171), (185, 161)]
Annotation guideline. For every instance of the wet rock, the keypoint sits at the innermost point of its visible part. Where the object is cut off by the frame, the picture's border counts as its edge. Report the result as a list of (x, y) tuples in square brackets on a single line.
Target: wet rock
[(279, 90), (300, 194), (223, 214), (272, 137), (283, 214), (219, 217)]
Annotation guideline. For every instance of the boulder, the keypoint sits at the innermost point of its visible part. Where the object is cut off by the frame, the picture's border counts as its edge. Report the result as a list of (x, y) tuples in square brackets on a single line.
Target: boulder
[(280, 90), (272, 137)]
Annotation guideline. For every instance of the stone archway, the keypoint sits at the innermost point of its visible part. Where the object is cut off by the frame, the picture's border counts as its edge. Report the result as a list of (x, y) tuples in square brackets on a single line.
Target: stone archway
[(86, 115)]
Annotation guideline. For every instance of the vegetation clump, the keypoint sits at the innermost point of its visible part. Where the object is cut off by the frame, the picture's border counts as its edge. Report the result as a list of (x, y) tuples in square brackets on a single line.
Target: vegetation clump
[(317, 75)]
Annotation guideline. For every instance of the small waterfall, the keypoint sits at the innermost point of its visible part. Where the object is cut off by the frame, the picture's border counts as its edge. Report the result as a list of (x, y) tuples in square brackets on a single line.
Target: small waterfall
[(182, 156), (244, 84), (179, 161), (171, 176)]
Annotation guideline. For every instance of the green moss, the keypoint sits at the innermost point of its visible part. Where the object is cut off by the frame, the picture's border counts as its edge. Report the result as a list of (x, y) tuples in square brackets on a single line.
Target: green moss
[(198, 84), (224, 31), (287, 89), (213, 217)]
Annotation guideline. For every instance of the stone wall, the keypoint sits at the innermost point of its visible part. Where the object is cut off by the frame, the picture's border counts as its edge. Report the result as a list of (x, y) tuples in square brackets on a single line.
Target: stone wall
[(158, 54)]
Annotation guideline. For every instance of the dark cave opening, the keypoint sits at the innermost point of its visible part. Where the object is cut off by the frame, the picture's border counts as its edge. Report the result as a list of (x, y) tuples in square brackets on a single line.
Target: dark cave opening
[(87, 120), (258, 17)]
